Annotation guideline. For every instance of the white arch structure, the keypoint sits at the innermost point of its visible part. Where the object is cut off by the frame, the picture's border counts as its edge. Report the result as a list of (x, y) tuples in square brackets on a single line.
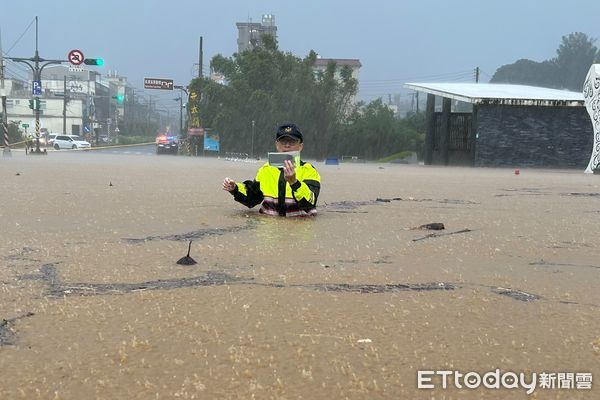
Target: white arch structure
[(591, 95)]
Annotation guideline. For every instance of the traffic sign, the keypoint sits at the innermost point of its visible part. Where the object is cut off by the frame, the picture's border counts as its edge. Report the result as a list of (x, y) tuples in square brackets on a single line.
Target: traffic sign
[(25, 126), (37, 88), (195, 131), (76, 57), (158, 83)]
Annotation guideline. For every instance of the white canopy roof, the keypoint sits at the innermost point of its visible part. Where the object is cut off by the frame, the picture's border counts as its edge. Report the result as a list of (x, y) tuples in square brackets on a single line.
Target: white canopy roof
[(499, 93)]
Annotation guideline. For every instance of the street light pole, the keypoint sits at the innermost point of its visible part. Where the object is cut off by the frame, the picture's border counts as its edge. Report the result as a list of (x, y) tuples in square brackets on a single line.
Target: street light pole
[(36, 69), (182, 89), (181, 116), (6, 152)]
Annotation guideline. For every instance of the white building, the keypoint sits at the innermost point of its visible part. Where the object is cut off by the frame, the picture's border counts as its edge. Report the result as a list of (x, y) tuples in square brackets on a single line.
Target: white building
[(93, 102)]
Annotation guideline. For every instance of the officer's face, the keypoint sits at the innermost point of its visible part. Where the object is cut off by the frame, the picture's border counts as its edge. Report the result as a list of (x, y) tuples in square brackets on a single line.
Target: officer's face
[(286, 143)]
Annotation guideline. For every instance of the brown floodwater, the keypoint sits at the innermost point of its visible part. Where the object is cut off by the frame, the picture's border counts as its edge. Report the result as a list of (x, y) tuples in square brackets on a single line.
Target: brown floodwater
[(350, 304)]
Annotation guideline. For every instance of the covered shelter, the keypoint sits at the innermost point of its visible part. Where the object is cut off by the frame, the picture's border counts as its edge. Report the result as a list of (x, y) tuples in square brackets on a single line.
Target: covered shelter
[(486, 124)]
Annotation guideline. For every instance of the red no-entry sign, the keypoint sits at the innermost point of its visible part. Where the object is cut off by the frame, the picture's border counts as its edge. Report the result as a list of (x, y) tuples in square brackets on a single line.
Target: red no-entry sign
[(76, 57)]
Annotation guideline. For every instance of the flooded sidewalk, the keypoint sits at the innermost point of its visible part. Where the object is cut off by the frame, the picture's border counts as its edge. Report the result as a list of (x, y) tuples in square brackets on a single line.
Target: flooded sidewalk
[(350, 304)]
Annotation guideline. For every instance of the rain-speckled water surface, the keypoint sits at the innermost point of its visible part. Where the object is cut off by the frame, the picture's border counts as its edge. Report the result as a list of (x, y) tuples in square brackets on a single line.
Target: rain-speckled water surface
[(350, 304)]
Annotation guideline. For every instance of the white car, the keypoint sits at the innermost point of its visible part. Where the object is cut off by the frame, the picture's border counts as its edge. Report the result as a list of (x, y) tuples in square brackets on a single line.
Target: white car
[(80, 142), (69, 142)]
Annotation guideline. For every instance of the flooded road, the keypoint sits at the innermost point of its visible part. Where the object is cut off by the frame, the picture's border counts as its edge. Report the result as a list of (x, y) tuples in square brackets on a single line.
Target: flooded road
[(350, 304)]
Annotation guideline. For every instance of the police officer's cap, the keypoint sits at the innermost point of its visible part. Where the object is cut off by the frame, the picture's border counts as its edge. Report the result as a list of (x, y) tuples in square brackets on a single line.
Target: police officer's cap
[(290, 130)]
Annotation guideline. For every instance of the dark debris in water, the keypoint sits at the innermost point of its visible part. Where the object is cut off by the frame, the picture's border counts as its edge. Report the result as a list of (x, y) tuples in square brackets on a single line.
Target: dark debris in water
[(385, 288), (351, 205), (198, 234), (436, 234), (86, 289), (515, 294), (581, 194), (56, 288), (7, 334), (347, 205), (434, 226), (187, 260), (524, 192), (543, 263)]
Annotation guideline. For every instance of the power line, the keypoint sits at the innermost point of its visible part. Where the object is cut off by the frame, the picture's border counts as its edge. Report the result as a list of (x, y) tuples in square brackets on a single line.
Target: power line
[(20, 37)]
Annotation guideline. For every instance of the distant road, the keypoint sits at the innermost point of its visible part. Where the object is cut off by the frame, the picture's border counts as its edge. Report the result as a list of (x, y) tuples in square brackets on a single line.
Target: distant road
[(143, 150)]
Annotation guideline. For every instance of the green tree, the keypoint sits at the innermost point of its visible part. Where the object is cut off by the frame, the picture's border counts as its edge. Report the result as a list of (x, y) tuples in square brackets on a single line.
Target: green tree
[(574, 56), (373, 132), (271, 87), (567, 70), (528, 72), (15, 134)]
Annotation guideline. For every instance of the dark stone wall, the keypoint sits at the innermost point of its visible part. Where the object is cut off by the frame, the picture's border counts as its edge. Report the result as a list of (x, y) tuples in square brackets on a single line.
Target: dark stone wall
[(536, 136)]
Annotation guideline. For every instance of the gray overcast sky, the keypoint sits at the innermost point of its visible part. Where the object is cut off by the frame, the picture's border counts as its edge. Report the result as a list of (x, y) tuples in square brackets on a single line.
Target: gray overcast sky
[(396, 41)]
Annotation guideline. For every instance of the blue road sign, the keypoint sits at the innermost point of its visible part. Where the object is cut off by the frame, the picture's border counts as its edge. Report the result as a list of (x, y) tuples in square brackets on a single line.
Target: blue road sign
[(37, 88)]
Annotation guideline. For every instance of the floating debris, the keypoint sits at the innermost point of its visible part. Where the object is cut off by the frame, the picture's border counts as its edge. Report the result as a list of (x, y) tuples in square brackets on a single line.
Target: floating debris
[(434, 235), (516, 294), (369, 288), (187, 260), (524, 192), (191, 235), (581, 194), (435, 226), (543, 263)]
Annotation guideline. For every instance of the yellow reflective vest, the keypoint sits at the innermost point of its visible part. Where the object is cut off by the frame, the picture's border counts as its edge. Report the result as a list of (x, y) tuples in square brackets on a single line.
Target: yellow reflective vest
[(277, 196)]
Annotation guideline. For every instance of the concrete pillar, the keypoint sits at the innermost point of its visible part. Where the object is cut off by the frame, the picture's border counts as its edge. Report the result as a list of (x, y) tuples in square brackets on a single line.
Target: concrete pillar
[(429, 129)]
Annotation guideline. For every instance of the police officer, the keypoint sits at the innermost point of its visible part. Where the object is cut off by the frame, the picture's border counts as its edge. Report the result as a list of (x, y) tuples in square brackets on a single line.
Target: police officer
[(288, 191)]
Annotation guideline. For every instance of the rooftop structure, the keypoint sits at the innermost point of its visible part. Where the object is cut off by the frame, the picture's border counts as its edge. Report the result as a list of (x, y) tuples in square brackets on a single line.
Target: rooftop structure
[(250, 33), (505, 94)]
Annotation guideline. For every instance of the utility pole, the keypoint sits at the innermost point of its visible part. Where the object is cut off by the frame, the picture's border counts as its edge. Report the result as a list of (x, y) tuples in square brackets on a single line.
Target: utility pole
[(6, 152), (180, 99), (252, 152), (36, 69), (200, 56), (65, 101), (477, 75), (180, 115)]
